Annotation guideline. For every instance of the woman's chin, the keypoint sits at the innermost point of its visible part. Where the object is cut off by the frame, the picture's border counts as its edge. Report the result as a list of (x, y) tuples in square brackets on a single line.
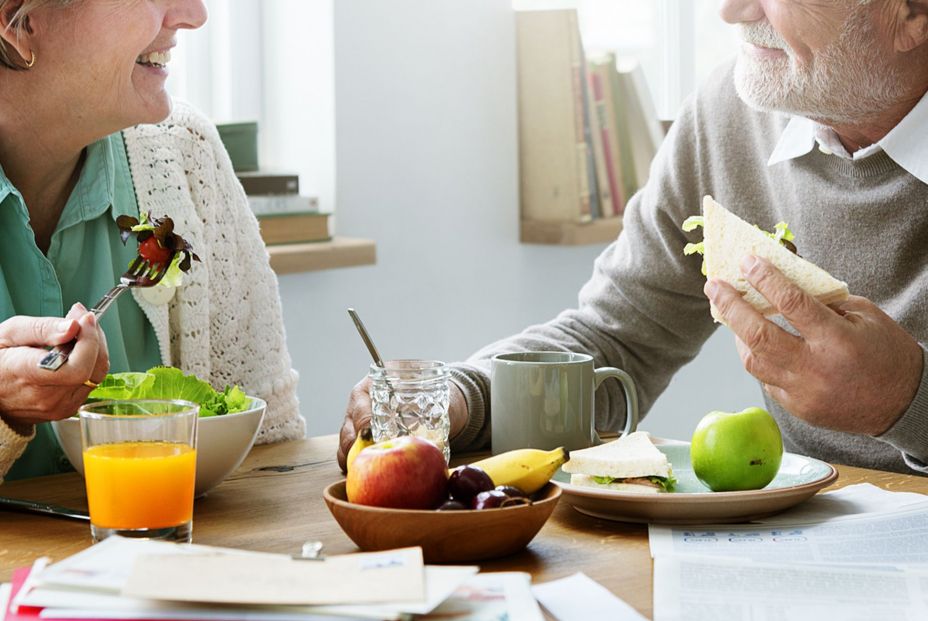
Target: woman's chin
[(156, 109)]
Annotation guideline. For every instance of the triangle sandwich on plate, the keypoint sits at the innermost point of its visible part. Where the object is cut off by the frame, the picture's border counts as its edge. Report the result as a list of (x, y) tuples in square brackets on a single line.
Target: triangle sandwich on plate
[(630, 464), (727, 239)]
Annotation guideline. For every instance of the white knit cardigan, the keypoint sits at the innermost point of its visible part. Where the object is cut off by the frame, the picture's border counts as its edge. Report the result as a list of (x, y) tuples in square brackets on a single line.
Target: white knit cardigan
[(224, 324)]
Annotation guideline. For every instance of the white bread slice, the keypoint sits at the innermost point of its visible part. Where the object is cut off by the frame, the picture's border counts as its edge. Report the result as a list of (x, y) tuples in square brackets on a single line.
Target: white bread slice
[(585, 480), (728, 239), (630, 456)]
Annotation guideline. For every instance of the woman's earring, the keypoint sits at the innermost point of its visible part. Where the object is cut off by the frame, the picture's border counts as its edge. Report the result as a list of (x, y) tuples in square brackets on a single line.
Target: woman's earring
[(31, 61)]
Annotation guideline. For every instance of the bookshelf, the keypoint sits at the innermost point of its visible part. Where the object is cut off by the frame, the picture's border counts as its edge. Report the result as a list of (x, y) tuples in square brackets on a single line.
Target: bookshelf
[(326, 255), (598, 231), (588, 131)]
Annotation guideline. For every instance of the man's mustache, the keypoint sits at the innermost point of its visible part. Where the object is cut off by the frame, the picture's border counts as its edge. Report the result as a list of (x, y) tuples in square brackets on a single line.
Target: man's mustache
[(763, 35)]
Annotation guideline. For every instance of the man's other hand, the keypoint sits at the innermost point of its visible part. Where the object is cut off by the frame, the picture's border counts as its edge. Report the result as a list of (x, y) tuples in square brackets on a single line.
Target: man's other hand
[(358, 416), (851, 368)]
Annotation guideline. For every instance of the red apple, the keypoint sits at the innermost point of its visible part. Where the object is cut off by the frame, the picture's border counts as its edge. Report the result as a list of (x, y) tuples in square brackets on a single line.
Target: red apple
[(404, 473)]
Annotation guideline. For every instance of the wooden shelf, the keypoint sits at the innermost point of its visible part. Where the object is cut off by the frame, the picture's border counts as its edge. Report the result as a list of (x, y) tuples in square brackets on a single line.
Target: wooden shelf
[(310, 257), (599, 231)]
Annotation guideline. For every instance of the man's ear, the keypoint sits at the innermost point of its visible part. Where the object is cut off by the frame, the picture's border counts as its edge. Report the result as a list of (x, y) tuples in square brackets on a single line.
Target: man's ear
[(912, 25), (15, 38)]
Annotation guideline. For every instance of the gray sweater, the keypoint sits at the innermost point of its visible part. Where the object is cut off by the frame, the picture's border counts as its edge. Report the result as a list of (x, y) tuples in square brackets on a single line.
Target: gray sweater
[(643, 309)]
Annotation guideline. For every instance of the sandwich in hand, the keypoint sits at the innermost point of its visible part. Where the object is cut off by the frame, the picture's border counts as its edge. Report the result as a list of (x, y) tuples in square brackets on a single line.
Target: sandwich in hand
[(727, 239), (630, 464)]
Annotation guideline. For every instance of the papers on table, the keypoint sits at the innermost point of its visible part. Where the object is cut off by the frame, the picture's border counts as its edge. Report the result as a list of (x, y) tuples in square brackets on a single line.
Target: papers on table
[(701, 589), (4, 599), (887, 531), (137, 579), (853, 501), (123, 578), (491, 597), (578, 598), (378, 577), (856, 553)]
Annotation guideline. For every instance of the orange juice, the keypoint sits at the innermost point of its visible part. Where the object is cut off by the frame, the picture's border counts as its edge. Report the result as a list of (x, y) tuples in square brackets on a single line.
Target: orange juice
[(140, 484)]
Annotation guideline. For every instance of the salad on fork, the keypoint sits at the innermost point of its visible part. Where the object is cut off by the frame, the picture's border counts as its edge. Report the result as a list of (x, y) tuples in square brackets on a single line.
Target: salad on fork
[(163, 258)]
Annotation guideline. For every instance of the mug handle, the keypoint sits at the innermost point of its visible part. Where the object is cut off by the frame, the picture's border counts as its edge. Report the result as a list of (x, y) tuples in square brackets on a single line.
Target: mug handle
[(631, 396)]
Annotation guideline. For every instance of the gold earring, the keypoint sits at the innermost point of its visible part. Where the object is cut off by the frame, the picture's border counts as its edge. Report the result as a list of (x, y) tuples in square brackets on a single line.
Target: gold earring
[(31, 61)]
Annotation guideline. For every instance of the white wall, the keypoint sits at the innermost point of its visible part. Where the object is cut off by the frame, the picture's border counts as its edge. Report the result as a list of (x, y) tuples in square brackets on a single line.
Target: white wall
[(282, 78), (427, 166)]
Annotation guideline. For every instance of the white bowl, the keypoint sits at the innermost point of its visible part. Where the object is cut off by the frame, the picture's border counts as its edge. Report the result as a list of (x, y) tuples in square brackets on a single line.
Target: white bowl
[(223, 443)]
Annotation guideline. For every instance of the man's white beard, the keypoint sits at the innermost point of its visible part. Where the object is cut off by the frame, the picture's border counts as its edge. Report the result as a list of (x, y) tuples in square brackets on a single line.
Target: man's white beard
[(847, 81)]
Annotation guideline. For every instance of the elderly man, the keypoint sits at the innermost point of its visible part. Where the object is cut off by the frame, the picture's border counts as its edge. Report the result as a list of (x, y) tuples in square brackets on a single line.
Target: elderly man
[(849, 384)]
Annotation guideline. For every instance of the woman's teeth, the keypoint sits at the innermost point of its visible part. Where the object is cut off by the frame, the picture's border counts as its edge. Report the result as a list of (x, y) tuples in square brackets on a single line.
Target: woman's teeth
[(155, 59)]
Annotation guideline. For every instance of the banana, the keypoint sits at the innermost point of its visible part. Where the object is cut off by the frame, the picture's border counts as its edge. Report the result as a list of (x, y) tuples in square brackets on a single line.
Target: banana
[(365, 439), (527, 469)]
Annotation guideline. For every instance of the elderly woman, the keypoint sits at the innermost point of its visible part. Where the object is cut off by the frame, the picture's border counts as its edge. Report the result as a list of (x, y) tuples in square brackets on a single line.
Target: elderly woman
[(87, 133)]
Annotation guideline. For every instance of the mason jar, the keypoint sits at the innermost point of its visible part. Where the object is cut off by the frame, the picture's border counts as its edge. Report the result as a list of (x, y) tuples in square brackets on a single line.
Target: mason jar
[(410, 397)]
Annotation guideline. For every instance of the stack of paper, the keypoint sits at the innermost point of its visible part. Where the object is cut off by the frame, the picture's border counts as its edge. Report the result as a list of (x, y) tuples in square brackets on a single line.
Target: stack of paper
[(856, 553), (136, 579)]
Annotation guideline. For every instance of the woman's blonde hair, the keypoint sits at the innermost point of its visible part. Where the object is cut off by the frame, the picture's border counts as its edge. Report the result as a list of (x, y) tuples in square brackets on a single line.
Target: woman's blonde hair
[(8, 56)]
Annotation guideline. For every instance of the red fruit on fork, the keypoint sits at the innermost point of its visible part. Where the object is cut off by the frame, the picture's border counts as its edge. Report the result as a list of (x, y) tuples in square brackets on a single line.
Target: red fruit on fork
[(153, 252)]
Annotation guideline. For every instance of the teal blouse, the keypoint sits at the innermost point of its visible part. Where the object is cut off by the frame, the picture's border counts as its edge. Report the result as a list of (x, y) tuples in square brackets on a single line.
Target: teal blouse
[(85, 258)]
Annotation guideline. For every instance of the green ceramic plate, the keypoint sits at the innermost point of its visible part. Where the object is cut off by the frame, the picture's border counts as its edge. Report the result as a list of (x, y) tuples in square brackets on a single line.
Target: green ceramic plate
[(799, 478)]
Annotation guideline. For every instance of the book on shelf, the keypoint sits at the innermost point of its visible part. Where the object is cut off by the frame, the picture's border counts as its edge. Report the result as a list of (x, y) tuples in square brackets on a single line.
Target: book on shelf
[(555, 151), (619, 141), (601, 200), (266, 183), (294, 228), (608, 152), (588, 128), (282, 204), (645, 131)]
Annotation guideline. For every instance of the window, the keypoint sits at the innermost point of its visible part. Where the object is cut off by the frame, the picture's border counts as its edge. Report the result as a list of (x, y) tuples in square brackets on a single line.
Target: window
[(271, 62), (677, 42)]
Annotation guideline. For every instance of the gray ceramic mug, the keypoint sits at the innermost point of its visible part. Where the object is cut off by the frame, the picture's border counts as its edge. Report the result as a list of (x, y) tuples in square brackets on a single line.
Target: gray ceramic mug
[(545, 400)]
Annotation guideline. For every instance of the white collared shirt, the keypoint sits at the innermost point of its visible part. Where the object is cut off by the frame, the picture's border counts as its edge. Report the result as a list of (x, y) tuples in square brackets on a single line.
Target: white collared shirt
[(906, 143)]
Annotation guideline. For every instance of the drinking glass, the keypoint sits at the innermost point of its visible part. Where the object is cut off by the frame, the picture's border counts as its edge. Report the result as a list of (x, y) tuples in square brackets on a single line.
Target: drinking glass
[(410, 397), (139, 467)]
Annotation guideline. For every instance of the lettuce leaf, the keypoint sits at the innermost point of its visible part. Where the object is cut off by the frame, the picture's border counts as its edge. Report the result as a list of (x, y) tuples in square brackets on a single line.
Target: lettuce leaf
[(781, 233), (171, 383), (692, 222), (666, 483), (121, 385), (698, 247)]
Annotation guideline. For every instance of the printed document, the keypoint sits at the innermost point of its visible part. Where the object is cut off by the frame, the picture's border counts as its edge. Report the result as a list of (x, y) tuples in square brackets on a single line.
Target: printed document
[(710, 589)]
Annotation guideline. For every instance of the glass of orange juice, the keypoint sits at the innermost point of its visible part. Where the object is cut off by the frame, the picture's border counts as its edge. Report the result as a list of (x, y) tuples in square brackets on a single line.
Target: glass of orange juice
[(139, 467)]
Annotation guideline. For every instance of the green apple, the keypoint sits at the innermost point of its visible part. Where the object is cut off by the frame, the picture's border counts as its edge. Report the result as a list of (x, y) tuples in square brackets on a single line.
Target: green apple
[(736, 450)]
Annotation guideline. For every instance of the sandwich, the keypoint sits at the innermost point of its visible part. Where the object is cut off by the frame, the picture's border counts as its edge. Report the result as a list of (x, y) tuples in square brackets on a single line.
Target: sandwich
[(727, 239), (630, 464)]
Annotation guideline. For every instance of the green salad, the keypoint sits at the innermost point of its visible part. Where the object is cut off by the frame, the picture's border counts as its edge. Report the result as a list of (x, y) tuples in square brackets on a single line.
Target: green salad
[(171, 383)]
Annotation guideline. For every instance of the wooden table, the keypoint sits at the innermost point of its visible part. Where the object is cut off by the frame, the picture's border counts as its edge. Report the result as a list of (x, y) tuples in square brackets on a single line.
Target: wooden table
[(274, 503)]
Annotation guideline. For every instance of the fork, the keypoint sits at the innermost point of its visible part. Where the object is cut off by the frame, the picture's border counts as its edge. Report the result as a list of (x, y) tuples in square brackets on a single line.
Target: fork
[(141, 273)]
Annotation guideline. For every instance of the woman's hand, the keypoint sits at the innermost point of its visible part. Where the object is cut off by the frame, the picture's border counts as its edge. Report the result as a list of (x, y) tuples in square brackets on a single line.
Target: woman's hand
[(358, 416), (31, 395)]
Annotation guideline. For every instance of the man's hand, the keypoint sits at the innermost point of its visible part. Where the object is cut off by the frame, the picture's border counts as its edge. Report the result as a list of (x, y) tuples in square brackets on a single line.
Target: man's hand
[(30, 395), (852, 368), (358, 416)]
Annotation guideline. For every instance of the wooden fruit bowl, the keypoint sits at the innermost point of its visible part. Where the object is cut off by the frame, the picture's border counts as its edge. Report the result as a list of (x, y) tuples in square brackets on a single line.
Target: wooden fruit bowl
[(445, 536)]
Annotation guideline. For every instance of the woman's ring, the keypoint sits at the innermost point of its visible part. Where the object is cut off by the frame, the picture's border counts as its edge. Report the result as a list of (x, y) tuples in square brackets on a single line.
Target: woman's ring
[(91, 384)]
